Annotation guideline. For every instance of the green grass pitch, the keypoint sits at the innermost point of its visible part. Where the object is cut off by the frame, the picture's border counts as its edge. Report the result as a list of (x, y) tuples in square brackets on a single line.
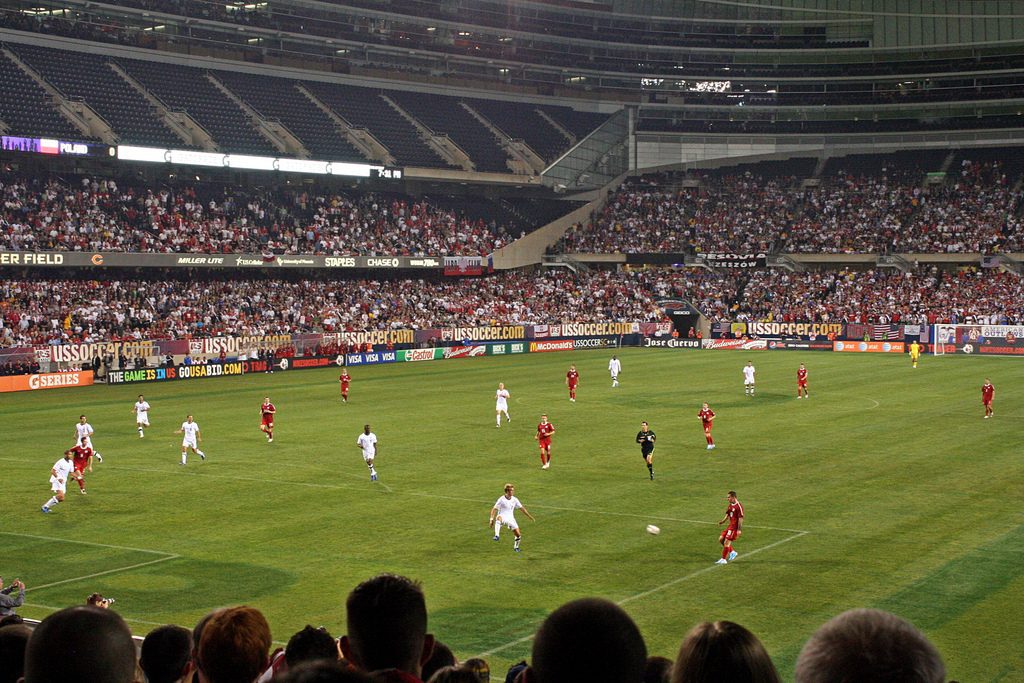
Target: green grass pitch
[(886, 488)]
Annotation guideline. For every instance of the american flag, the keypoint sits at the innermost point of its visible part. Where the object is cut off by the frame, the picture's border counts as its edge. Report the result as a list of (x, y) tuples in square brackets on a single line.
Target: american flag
[(885, 332)]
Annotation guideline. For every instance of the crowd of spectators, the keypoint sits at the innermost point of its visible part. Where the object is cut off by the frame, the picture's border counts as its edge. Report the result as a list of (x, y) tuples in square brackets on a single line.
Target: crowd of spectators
[(59, 311), (42, 311), (978, 209), (387, 640), (104, 215)]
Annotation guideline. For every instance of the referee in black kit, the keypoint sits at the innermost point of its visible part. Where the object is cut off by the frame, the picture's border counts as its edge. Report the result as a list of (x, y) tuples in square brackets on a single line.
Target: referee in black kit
[(645, 437)]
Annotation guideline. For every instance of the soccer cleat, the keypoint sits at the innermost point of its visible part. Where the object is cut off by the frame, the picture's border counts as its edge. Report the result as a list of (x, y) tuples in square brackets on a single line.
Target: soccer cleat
[(495, 538), (711, 447), (82, 491), (99, 458), (46, 509), (987, 416), (722, 561), (141, 435), (517, 550), (270, 440), (799, 397), (373, 477), (545, 466), (202, 456), (652, 476), (732, 555)]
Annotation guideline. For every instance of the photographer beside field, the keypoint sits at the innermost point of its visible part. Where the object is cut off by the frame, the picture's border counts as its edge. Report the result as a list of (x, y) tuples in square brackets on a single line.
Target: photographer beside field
[(7, 603), (97, 600)]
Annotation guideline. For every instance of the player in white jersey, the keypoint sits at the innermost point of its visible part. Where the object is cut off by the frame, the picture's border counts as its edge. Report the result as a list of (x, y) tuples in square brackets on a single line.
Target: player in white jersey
[(614, 367), (192, 439), (141, 411), (367, 441), (501, 404), (748, 378), (83, 436), (504, 513), (59, 480)]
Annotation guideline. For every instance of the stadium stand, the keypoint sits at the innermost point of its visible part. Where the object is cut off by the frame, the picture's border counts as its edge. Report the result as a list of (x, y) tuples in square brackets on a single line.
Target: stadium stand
[(366, 108), (25, 106), (445, 115), (280, 99), (93, 214), (188, 89), (89, 77)]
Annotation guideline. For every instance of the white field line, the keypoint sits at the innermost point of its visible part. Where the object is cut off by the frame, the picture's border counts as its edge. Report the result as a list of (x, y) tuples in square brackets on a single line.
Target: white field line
[(92, 543), (461, 499), (668, 584)]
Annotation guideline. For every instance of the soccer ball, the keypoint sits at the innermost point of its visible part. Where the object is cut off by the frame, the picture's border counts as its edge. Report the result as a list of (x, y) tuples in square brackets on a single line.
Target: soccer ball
[(651, 529)]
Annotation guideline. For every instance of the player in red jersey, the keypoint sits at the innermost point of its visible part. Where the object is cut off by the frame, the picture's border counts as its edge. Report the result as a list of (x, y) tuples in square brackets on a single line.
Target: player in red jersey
[(344, 379), (988, 392), (734, 515), (543, 436), (82, 456), (706, 416), (267, 412), (801, 382), (572, 378)]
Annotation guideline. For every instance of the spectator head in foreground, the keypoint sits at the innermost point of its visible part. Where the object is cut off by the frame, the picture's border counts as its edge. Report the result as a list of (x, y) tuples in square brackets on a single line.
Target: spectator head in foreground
[(658, 670), (591, 640), (723, 651), (480, 667), (13, 640), (387, 625), (441, 657), (167, 655), (322, 671), (869, 645), (82, 644), (309, 645), (234, 646)]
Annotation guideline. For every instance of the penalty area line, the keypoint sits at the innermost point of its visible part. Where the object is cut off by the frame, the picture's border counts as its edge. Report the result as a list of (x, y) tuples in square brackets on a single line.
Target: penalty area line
[(656, 589), (92, 543)]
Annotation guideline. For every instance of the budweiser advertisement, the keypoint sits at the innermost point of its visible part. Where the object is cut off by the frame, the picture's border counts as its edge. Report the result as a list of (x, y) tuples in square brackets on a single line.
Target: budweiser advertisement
[(50, 380), (465, 351), (868, 347), (742, 344)]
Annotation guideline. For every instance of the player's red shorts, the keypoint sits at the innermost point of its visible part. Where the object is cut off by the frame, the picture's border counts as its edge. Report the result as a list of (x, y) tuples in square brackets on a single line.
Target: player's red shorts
[(729, 534), (544, 443), (572, 385), (268, 418), (707, 426), (986, 402), (80, 467), (344, 388), (801, 383)]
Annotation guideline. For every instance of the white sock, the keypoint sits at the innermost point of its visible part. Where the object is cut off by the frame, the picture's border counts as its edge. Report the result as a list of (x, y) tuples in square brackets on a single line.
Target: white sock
[(497, 528), (497, 418), (53, 501), (373, 472), (184, 458), (200, 453), (518, 539)]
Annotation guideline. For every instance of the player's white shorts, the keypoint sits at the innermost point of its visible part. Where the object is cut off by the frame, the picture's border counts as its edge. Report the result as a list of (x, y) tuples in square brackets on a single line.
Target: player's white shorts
[(509, 522), (748, 383), (368, 455), (502, 406), (189, 442), (58, 487), (142, 419)]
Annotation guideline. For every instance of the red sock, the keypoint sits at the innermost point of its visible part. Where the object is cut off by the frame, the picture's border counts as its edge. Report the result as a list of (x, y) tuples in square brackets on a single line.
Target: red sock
[(707, 437), (725, 552), (270, 434), (81, 484)]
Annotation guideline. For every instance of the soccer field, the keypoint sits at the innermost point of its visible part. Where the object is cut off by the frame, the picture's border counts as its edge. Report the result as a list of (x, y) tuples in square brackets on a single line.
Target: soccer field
[(886, 489)]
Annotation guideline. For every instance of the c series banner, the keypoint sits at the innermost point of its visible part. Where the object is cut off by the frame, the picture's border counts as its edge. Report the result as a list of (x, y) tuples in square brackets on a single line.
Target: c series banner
[(50, 380), (117, 259)]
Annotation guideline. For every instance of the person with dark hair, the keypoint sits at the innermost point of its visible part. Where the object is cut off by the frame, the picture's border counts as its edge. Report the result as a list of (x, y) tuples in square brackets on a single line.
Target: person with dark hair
[(441, 657), (13, 640), (658, 670), (82, 644), (323, 672), (869, 645), (167, 655), (591, 640), (479, 667), (234, 646), (310, 645), (453, 674), (387, 627), (723, 651)]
